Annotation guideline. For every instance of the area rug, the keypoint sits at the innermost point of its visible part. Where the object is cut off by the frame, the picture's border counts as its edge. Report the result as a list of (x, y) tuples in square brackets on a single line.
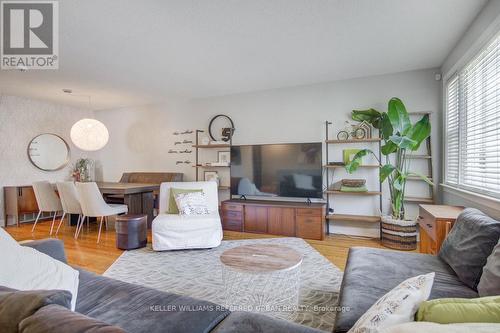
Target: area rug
[(198, 273)]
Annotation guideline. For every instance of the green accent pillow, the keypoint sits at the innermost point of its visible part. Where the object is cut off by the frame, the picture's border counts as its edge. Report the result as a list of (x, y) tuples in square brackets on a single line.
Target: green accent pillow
[(172, 205), (460, 310)]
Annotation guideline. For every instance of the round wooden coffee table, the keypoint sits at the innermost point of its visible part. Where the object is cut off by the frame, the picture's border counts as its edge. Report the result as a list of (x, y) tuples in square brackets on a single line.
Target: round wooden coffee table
[(262, 278)]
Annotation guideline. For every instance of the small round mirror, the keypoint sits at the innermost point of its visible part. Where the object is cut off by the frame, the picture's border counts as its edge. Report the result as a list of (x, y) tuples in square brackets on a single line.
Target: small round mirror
[(48, 152)]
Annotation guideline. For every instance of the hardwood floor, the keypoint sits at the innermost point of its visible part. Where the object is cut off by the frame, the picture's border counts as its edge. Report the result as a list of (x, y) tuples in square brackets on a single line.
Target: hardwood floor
[(86, 253)]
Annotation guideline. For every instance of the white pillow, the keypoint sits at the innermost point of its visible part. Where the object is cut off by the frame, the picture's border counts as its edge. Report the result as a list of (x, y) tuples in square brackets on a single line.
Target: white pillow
[(397, 306), (192, 203), (24, 268)]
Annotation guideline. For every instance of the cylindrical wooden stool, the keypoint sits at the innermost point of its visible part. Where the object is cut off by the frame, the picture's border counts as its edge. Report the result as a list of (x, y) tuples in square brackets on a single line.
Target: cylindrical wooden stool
[(131, 231)]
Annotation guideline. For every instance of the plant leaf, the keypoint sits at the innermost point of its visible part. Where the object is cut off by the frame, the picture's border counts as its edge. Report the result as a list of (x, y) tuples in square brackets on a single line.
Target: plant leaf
[(356, 160), (419, 132), (386, 128), (398, 116), (402, 142), (399, 182), (389, 148), (371, 116), (385, 171)]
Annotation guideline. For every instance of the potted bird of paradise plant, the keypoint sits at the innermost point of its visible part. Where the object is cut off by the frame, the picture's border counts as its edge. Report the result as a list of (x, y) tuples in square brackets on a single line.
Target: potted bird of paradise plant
[(400, 138)]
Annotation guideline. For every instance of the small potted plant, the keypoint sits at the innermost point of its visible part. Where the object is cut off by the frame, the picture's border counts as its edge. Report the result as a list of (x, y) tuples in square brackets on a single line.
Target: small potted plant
[(83, 170), (400, 139)]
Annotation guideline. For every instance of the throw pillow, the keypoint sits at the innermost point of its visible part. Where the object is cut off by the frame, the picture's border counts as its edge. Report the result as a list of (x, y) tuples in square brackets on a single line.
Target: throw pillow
[(24, 268), (17, 305), (489, 285), (397, 306), (193, 203), (57, 319), (468, 245), (172, 205), (460, 310)]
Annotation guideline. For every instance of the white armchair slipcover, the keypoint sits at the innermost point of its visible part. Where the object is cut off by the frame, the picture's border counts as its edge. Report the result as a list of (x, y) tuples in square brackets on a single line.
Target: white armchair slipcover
[(177, 232)]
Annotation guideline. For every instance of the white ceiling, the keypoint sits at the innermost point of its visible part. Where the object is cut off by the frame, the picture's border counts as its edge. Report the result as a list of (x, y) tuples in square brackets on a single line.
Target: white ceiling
[(128, 52)]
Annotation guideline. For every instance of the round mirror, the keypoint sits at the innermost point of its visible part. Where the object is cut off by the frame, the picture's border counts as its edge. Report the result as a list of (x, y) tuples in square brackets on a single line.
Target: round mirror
[(48, 152)]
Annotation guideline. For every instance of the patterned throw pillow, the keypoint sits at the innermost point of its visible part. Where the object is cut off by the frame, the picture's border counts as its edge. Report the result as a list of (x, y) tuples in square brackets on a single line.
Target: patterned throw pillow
[(194, 203), (397, 306)]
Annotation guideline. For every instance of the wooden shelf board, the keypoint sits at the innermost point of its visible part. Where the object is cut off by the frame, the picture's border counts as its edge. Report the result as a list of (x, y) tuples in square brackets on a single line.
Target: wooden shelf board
[(355, 193), (211, 146), (353, 140), (417, 178), (353, 218), (419, 199), (211, 166), (419, 156), (343, 166), (224, 187), (420, 113)]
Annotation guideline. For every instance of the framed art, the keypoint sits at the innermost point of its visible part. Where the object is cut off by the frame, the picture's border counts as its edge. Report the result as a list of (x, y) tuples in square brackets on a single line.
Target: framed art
[(211, 176), (224, 157)]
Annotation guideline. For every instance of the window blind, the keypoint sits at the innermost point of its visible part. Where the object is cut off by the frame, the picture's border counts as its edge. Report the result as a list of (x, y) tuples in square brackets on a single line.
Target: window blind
[(472, 124)]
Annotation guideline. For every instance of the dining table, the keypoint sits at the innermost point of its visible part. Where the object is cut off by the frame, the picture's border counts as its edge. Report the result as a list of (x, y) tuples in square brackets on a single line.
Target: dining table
[(138, 197)]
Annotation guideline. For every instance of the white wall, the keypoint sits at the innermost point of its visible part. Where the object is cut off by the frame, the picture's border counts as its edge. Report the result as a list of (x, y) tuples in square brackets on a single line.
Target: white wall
[(22, 119), (484, 27), (141, 137)]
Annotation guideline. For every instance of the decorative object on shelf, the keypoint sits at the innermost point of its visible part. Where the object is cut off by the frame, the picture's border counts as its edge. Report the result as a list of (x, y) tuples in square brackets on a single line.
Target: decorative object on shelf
[(354, 182), (89, 134), (48, 152), (348, 154), (400, 138), (227, 130), (211, 176), (367, 128), (84, 170), (351, 130), (353, 185), (224, 157)]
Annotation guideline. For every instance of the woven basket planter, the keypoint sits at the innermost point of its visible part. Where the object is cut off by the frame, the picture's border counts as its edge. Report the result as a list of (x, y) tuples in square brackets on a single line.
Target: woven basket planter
[(398, 234)]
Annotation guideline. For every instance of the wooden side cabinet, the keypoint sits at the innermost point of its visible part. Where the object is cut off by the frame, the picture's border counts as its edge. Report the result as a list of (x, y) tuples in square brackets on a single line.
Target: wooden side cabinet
[(19, 200), (435, 223), (274, 217)]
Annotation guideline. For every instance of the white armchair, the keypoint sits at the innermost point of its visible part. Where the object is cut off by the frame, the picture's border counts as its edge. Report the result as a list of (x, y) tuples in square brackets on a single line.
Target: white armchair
[(177, 232)]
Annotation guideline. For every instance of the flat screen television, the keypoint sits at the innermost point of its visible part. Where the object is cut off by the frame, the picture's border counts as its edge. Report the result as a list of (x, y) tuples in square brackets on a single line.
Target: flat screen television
[(291, 170)]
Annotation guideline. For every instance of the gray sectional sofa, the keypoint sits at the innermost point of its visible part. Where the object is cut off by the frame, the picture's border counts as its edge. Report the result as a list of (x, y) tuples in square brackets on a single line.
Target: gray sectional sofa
[(139, 309)]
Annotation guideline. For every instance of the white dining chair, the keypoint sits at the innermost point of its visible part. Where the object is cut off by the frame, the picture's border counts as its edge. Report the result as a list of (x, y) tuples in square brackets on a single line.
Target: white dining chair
[(47, 201), (93, 205), (70, 202)]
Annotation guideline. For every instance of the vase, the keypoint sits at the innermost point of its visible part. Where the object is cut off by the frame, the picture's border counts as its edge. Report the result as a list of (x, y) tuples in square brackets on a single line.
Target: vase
[(398, 234)]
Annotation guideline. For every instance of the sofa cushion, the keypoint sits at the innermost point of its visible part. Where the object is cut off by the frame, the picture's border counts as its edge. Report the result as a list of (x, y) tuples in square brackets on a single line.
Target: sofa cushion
[(25, 268), (371, 273), (58, 319), (489, 285), (17, 305), (247, 322), (398, 306), (460, 310), (139, 309), (469, 243)]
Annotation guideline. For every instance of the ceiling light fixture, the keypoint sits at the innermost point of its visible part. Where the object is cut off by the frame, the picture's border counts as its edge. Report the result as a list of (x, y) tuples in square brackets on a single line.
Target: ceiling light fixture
[(88, 134)]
